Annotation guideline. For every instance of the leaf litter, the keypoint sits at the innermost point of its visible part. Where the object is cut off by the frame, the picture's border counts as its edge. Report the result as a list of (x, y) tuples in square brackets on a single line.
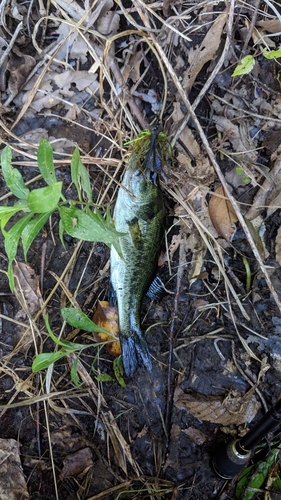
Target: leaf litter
[(96, 75)]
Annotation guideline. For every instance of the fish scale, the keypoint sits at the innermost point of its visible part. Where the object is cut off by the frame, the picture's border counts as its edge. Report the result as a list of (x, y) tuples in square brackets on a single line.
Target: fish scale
[(139, 212)]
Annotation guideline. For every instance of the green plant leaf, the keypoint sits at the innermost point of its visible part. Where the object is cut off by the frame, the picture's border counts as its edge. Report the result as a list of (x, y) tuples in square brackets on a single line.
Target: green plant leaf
[(245, 67), (5, 215), (68, 346), (85, 227), (13, 235), (119, 371), (12, 176), (104, 377), (31, 230), (46, 162), (74, 169), (44, 199), (239, 170), (79, 174), (271, 54), (46, 359), (253, 477), (276, 485), (78, 319), (73, 372)]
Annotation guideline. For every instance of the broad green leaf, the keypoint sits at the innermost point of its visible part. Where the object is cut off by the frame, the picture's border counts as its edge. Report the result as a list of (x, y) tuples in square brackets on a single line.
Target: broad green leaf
[(44, 199), (245, 67), (13, 210), (80, 174), (46, 162), (12, 176), (271, 54), (31, 230), (119, 371), (46, 359), (13, 235), (5, 215), (78, 319), (85, 227)]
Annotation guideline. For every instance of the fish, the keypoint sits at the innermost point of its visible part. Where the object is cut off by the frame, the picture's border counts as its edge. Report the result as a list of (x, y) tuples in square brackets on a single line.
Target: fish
[(139, 213)]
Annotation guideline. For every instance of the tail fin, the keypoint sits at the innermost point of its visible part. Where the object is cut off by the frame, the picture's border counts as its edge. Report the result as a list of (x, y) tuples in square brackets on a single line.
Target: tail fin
[(134, 353)]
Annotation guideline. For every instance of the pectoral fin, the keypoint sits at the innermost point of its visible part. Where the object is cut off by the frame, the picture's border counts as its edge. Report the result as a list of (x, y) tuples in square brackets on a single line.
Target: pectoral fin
[(135, 232)]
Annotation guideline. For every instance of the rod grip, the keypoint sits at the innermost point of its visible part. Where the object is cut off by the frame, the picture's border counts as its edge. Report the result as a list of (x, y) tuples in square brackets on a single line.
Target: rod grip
[(230, 459)]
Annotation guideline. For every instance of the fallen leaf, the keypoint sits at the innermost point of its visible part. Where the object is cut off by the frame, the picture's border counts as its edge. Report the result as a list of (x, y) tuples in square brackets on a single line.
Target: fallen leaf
[(27, 292), (19, 68), (235, 409), (222, 214), (198, 437), (12, 480), (205, 52), (173, 453), (107, 317), (77, 464), (82, 80), (270, 25)]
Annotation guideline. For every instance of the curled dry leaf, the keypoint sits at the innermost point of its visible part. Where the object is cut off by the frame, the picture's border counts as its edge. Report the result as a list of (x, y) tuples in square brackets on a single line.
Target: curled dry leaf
[(106, 317), (19, 68), (27, 290), (28, 294), (222, 214), (77, 464), (235, 409), (205, 52)]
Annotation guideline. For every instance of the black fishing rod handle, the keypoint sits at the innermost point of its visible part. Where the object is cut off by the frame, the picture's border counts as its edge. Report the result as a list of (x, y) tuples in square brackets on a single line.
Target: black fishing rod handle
[(230, 459)]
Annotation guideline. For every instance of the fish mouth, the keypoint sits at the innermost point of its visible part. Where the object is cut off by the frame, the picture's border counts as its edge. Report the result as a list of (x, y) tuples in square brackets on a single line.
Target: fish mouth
[(149, 151)]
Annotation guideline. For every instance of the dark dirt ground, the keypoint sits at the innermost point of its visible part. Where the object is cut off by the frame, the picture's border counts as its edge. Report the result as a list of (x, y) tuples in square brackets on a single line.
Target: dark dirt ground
[(156, 437)]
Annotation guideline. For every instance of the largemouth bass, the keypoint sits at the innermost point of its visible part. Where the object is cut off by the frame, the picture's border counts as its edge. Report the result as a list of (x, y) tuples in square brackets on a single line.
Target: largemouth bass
[(139, 212)]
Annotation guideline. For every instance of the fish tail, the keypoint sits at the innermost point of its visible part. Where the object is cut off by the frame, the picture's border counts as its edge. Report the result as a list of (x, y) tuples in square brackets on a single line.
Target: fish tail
[(135, 353)]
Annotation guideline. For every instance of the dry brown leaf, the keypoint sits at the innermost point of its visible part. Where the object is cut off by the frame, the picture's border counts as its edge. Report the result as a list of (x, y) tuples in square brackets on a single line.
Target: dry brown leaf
[(235, 409), (173, 454), (19, 68), (206, 52), (198, 437), (270, 25), (77, 464), (222, 214), (107, 317), (29, 296), (12, 480), (27, 290), (82, 80), (134, 66)]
